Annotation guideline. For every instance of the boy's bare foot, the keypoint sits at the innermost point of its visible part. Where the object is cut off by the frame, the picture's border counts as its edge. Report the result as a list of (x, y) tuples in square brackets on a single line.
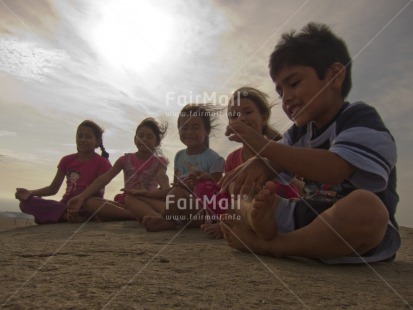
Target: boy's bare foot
[(157, 223), (262, 215), (240, 237), (214, 230)]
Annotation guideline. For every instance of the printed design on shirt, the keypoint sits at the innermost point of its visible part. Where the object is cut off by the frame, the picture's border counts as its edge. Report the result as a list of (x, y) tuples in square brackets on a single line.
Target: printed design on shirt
[(187, 167), (142, 177), (132, 177), (147, 175), (328, 193), (72, 177)]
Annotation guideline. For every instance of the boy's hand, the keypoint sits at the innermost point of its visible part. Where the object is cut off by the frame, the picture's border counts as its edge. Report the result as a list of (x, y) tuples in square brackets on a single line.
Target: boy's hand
[(240, 132), (23, 194), (74, 204), (251, 175)]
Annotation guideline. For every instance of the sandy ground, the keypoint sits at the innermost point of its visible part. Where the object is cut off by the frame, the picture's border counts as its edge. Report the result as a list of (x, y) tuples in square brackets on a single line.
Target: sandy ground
[(119, 265), (9, 223)]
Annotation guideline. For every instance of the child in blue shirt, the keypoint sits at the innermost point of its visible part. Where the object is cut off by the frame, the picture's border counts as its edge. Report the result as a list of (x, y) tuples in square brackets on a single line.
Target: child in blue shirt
[(195, 123)]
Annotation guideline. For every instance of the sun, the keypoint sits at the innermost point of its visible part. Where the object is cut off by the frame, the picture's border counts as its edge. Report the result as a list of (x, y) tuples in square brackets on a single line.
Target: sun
[(132, 34)]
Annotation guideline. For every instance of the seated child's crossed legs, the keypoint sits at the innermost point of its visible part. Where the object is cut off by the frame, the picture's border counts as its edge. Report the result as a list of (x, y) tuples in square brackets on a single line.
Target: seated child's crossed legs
[(355, 223), (182, 205)]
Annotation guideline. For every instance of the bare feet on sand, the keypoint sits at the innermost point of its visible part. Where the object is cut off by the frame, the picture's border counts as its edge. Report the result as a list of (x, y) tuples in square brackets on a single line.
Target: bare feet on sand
[(240, 237), (262, 217), (214, 230), (157, 223)]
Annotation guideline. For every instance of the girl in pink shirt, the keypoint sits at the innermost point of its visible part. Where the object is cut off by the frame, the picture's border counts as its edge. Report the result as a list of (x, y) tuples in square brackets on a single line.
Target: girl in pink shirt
[(144, 173), (80, 170), (250, 106)]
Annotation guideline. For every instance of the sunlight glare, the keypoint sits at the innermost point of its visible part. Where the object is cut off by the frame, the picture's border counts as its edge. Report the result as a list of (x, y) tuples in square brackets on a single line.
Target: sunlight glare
[(133, 34)]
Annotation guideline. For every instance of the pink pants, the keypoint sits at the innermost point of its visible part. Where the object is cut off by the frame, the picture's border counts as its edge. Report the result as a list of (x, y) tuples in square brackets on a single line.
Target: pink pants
[(44, 211)]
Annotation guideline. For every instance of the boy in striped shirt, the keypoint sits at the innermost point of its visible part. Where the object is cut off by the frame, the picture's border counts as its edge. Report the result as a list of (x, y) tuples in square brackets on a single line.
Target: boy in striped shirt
[(343, 152)]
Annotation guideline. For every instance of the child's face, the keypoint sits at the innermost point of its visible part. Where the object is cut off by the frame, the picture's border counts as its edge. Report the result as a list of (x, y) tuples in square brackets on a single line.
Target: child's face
[(192, 131), (145, 139), (86, 141), (306, 98), (247, 112)]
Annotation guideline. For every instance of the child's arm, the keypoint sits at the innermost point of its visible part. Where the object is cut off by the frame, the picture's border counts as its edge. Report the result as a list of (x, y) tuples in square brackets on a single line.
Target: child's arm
[(255, 171), (76, 202), (52, 189), (314, 164), (161, 192), (163, 181), (162, 178)]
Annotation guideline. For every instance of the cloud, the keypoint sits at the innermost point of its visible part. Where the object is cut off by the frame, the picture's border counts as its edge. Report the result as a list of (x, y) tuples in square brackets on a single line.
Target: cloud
[(9, 156), (6, 133), (27, 60), (19, 16)]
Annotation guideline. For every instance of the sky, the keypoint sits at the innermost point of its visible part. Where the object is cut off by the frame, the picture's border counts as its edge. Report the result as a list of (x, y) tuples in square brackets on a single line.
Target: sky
[(119, 61)]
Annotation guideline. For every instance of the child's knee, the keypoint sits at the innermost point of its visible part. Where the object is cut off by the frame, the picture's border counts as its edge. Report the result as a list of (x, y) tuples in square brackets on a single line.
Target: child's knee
[(366, 209), (88, 203), (22, 206), (129, 201), (178, 191)]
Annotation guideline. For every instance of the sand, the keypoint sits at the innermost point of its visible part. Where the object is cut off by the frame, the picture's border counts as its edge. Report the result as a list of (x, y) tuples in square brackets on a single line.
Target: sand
[(119, 265), (9, 223)]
